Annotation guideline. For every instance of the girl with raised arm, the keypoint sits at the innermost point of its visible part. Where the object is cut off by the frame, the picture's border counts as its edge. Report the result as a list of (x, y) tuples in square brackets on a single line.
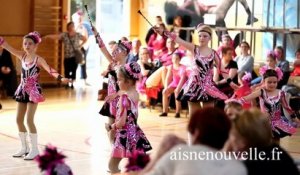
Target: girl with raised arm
[(116, 60), (29, 92), (200, 85)]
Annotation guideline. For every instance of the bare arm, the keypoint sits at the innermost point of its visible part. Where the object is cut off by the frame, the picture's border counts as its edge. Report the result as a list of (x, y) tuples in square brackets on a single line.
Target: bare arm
[(102, 46), (216, 75), (51, 71), (53, 36), (5, 45), (252, 96), (189, 46)]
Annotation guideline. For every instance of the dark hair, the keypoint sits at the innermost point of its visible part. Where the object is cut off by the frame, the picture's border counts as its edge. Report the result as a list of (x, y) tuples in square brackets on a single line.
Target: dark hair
[(126, 75), (244, 42), (69, 23), (282, 51), (270, 73), (213, 126), (226, 49)]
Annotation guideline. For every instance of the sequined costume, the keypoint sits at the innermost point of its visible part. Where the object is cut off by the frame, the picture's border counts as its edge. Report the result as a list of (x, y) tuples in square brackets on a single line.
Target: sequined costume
[(274, 107), (130, 138), (200, 85), (112, 89), (29, 89)]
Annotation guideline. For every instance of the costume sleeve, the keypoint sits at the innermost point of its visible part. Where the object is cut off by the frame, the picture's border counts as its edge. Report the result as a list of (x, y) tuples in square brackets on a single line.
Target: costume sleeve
[(285, 103)]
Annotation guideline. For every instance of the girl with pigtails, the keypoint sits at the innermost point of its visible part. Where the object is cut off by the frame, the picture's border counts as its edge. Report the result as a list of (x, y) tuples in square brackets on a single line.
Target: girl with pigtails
[(272, 102), (29, 92)]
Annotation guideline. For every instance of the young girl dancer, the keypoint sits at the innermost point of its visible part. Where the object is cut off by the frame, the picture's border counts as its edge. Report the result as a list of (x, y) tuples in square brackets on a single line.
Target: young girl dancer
[(200, 85), (116, 59), (29, 92), (129, 137), (272, 101), (174, 74)]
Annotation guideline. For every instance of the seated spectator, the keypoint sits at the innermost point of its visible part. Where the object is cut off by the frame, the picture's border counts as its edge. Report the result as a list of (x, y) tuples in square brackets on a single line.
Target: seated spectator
[(133, 56), (226, 42), (168, 142), (244, 61), (284, 66), (157, 43), (147, 68), (8, 74), (174, 74), (251, 130), (296, 64), (158, 21), (209, 131), (270, 64), (226, 73)]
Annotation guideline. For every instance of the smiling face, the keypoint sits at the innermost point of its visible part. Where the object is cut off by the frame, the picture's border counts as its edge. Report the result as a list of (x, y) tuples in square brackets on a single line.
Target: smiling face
[(28, 45)]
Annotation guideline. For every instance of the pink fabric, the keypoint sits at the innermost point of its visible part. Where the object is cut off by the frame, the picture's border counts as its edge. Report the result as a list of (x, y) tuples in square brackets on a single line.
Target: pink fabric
[(273, 106), (296, 71), (176, 76), (130, 137), (156, 45), (263, 70)]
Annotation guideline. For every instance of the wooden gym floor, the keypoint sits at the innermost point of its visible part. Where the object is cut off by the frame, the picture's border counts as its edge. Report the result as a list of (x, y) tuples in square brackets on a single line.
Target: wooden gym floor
[(69, 119)]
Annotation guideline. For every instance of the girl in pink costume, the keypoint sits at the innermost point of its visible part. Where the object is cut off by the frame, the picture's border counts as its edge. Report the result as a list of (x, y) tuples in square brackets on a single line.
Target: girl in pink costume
[(29, 92), (128, 135), (199, 86), (272, 101), (174, 74), (116, 60)]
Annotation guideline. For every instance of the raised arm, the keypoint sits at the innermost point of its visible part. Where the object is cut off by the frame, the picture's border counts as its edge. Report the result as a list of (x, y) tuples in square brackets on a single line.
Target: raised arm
[(102, 46), (5, 45), (51, 71), (189, 46)]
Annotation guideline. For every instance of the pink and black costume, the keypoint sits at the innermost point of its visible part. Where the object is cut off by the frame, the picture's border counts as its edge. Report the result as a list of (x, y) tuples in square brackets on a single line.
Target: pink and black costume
[(274, 107), (130, 137), (200, 85), (29, 89)]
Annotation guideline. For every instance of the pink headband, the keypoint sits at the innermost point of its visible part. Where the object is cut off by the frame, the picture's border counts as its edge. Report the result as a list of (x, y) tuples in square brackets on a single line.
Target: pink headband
[(263, 70), (272, 54), (133, 70), (35, 36), (127, 44)]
